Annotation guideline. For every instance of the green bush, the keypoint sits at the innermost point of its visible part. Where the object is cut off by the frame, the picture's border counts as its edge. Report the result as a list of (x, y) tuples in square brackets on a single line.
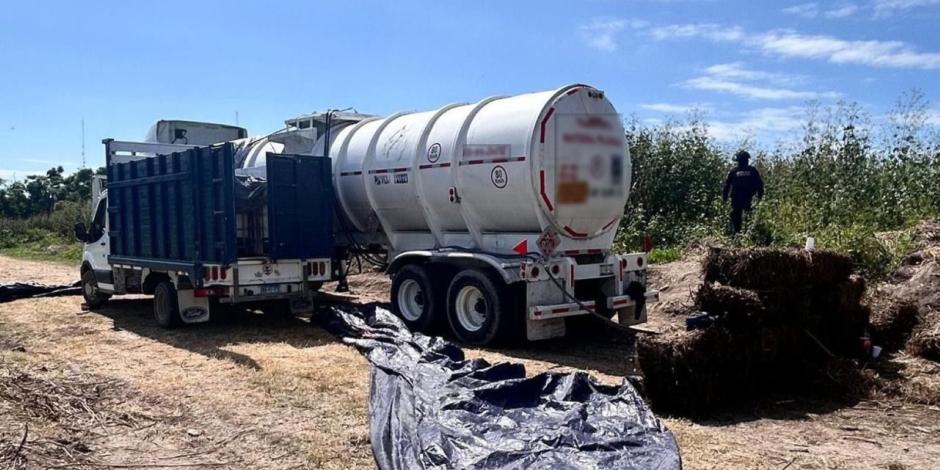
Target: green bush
[(854, 188)]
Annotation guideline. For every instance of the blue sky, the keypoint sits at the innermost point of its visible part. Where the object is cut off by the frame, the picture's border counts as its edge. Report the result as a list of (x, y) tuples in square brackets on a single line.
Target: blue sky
[(750, 66)]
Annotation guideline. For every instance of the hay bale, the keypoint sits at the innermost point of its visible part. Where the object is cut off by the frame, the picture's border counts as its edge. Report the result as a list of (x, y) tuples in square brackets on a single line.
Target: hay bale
[(925, 340), (828, 267), (770, 304), (893, 322), (693, 373), (731, 305), (768, 268)]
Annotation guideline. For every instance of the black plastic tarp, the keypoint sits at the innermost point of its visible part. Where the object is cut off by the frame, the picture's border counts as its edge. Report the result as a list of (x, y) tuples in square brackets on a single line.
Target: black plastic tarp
[(22, 290), (432, 408)]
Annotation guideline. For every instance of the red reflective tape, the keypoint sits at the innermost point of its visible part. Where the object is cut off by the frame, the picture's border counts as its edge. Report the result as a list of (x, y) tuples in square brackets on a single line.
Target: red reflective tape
[(609, 224), (433, 165), (475, 162), (574, 233), (388, 170), (573, 91), (500, 160), (542, 191), (350, 173), (561, 310), (544, 122), (571, 279), (594, 251), (520, 159)]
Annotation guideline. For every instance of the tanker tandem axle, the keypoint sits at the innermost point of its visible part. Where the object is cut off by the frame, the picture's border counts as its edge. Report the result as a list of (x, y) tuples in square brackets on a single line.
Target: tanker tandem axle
[(493, 218)]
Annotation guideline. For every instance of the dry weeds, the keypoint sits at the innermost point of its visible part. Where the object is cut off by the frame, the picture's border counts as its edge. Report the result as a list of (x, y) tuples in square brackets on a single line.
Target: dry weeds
[(264, 393)]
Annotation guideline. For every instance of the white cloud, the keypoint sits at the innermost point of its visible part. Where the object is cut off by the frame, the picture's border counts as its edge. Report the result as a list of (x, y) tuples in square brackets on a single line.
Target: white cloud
[(885, 7), (790, 44), (814, 10), (736, 79), (761, 122), (600, 33), (890, 54), (806, 10), (842, 12), (709, 31), (933, 118), (737, 71), (669, 108), (753, 91)]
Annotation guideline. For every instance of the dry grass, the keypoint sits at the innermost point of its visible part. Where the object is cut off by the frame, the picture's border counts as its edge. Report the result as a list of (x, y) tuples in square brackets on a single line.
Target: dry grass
[(266, 393)]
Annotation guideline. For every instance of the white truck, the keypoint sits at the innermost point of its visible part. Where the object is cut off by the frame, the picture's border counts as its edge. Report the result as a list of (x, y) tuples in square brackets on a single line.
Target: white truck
[(495, 217), (176, 221)]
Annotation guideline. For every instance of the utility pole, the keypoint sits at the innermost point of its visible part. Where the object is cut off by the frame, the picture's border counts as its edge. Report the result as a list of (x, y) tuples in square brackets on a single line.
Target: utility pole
[(83, 143)]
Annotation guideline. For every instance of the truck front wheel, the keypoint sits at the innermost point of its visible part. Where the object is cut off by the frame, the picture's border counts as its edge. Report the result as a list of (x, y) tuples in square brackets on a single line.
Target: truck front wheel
[(415, 299), (477, 308), (166, 306), (93, 297)]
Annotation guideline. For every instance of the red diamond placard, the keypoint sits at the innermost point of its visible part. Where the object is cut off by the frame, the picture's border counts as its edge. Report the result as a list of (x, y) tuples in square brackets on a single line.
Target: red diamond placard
[(548, 242)]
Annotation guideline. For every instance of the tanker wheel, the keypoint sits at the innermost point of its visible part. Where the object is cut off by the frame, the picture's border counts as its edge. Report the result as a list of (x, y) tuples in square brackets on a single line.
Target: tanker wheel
[(477, 307), (415, 297), (166, 305)]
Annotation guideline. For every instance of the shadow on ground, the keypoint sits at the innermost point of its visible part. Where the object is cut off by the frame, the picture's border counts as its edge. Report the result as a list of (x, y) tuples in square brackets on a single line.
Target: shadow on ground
[(224, 329)]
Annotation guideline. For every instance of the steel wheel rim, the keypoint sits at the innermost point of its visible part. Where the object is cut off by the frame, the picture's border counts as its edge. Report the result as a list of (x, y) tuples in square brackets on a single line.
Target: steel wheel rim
[(471, 308), (89, 289), (410, 300)]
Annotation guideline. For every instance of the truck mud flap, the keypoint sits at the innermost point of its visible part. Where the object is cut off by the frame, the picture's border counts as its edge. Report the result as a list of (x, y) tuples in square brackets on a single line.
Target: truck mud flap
[(22, 290), (430, 407)]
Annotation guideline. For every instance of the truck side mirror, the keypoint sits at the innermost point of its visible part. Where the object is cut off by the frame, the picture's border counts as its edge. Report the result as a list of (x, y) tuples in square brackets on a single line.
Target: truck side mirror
[(81, 232)]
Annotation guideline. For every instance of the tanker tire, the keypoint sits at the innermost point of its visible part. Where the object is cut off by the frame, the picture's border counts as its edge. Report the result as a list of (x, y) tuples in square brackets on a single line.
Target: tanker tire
[(415, 298), (166, 306), (93, 297), (478, 310)]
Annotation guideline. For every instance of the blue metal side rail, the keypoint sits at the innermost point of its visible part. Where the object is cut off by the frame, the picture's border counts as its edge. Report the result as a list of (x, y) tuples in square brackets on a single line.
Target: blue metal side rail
[(174, 211)]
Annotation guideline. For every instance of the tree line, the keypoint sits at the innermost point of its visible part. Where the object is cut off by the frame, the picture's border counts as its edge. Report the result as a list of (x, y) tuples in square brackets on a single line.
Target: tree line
[(38, 194)]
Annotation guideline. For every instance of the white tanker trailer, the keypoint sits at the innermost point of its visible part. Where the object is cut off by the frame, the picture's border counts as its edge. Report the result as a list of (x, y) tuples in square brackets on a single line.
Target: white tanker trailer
[(496, 217)]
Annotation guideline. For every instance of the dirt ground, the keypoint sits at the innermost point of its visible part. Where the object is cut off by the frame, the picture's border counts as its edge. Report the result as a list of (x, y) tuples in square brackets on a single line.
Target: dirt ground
[(255, 391)]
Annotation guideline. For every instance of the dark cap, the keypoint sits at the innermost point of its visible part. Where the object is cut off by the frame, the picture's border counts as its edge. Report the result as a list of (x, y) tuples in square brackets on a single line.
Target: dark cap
[(742, 155)]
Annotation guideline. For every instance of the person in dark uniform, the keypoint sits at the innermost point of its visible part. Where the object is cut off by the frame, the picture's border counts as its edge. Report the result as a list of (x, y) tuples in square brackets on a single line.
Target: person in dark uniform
[(742, 184)]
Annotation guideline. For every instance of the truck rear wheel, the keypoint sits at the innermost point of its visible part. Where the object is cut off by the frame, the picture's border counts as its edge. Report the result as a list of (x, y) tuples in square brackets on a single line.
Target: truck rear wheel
[(415, 299), (477, 308), (166, 306), (93, 297)]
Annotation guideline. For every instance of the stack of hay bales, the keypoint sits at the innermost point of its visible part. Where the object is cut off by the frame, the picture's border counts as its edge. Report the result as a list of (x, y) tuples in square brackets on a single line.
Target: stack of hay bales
[(783, 320), (925, 339)]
